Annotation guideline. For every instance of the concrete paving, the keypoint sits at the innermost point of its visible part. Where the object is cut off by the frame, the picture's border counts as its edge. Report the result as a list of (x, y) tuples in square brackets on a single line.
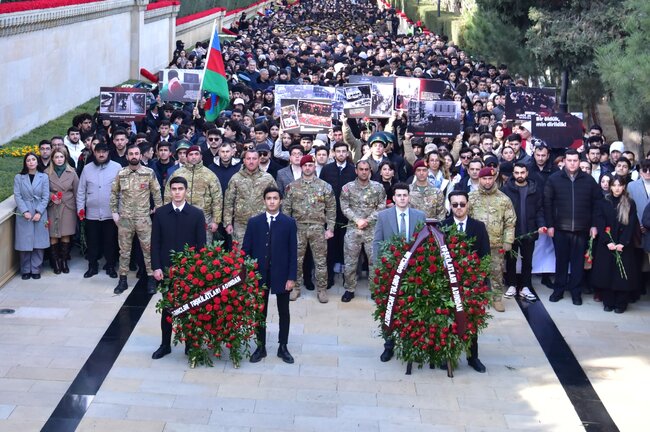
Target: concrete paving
[(337, 382)]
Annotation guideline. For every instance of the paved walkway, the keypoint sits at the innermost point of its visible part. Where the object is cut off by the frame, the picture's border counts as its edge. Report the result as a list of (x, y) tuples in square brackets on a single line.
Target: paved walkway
[(336, 384)]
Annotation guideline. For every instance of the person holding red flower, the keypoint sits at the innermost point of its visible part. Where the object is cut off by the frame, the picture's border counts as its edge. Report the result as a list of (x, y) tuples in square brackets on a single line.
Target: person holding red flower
[(616, 220)]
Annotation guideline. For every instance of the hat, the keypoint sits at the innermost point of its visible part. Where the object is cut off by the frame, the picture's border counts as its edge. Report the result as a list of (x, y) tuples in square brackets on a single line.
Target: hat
[(194, 148), (527, 126), (307, 159), (419, 164), (182, 145), (101, 147), (487, 172), (239, 101), (617, 146), (506, 168), (491, 160), (429, 148), (262, 148), (377, 137)]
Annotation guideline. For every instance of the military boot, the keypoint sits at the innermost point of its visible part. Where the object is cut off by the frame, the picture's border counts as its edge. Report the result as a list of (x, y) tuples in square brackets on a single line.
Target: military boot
[(122, 285)]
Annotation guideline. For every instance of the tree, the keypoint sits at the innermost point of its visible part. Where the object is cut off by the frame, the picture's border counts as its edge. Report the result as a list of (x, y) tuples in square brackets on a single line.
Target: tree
[(624, 66)]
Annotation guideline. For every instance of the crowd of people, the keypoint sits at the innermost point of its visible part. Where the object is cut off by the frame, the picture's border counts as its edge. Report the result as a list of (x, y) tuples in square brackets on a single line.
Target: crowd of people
[(580, 211)]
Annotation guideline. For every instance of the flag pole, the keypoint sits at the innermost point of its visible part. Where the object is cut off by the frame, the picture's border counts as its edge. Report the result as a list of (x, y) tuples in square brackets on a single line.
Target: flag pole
[(207, 58)]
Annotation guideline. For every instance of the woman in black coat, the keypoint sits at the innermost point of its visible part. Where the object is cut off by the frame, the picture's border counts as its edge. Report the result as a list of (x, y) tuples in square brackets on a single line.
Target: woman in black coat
[(616, 214)]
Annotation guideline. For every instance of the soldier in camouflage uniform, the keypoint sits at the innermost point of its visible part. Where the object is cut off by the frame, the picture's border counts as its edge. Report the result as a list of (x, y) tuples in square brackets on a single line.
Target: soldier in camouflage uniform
[(132, 189), (495, 210), (310, 201), (244, 196), (424, 196), (361, 199), (203, 189)]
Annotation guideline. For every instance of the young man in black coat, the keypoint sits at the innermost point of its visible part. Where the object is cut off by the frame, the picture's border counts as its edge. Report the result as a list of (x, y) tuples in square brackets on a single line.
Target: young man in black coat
[(272, 238), (459, 203), (174, 225)]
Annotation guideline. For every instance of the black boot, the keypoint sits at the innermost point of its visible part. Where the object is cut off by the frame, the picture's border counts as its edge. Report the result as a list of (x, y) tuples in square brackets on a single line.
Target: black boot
[(64, 254), (473, 359), (151, 285), (93, 269), (259, 354), (284, 354), (122, 286), (54, 258)]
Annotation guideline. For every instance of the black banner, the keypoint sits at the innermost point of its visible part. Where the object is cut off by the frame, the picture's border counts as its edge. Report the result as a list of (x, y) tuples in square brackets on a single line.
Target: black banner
[(206, 296)]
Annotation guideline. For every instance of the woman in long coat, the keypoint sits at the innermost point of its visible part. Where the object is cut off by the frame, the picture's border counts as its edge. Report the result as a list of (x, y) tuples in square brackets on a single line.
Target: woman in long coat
[(62, 209), (31, 192), (616, 221)]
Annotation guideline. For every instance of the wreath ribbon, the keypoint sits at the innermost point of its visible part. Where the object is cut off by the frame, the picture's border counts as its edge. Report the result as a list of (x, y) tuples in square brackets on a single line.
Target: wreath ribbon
[(460, 316), (207, 296)]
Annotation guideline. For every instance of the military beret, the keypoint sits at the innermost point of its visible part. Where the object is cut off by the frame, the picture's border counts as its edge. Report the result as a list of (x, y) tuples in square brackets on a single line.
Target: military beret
[(194, 148), (419, 164), (487, 172), (307, 159)]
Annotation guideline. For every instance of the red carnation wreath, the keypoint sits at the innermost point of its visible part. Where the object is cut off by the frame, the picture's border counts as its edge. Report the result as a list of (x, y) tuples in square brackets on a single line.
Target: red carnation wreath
[(424, 312), (215, 301)]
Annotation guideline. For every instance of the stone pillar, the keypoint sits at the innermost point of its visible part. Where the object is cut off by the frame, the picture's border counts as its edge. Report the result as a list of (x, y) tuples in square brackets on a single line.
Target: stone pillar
[(137, 27), (172, 31)]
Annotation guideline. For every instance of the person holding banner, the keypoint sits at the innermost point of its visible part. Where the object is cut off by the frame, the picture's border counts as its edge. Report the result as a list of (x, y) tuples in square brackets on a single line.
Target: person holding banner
[(166, 237)]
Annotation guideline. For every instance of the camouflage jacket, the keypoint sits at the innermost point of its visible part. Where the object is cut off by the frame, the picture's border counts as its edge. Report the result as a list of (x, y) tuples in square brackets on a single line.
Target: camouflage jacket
[(362, 202), (495, 210), (429, 199), (132, 190), (203, 190), (243, 197), (310, 202)]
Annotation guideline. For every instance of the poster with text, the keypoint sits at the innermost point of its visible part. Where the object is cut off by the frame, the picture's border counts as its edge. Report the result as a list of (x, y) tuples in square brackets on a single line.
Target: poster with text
[(181, 85), (306, 116), (559, 130), (382, 91), (122, 103), (523, 103), (437, 118), (286, 91), (416, 89), (358, 100)]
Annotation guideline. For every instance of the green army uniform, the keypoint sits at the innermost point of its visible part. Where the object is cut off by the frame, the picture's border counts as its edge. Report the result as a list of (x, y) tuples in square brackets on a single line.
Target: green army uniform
[(313, 206), (429, 200), (130, 197), (203, 191), (359, 202), (244, 199), (495, 210)]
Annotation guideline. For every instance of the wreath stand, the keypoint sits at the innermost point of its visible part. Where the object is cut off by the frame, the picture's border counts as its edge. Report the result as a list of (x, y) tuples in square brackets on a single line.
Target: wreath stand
[(450, 369)]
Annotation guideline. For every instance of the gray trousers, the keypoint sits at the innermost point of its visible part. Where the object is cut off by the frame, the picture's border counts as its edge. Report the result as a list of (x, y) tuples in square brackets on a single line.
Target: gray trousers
[(30, 262)]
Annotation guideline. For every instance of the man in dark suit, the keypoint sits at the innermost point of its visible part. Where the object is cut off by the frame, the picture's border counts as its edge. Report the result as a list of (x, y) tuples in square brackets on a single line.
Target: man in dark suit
[(272, 238), (459, 202), (397, 220), (174, 225)]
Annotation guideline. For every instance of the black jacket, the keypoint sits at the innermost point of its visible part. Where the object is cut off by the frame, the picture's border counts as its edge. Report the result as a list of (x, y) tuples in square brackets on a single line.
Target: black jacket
[(541, 175), (166, 237), (474, 229), (335, 178), (570, 205), (534, 206)]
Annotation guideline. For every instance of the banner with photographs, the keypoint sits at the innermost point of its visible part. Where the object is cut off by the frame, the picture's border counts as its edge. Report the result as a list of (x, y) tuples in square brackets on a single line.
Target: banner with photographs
[(559, 130), (286, 91), (358, 100), (523, 103), (438, 118), (307, 116), (409, 90), (122, 103), (180, 85), (382, 91)]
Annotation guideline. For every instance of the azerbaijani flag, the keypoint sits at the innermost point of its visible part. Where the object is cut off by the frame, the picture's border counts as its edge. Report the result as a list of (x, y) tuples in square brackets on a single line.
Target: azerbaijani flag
[(214, 79)]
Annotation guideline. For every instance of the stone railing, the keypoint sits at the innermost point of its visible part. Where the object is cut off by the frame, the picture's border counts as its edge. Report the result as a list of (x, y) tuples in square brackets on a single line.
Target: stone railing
[(9, 262)]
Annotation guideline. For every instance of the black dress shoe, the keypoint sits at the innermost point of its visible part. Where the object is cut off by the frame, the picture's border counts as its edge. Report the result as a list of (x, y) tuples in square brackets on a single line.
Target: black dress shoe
[(151, 285), (284, 354), (619, 310), (110, 271), (555, 297), (347, 296), (386, 355), (476, 364), (161, 352), (608, 308), (26, 276), (258, 355), (36, 275), (92, 271), (577, 300)]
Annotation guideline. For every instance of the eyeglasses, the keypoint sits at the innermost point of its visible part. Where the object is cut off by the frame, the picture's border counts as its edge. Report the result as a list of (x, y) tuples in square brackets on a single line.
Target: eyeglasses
[(214, 139), (263, 153), (461, 205), (466, 156), (645, 170)]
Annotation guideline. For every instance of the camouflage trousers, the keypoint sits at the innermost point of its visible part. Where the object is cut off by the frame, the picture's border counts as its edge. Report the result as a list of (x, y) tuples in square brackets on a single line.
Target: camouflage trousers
[(126, 228), (496, 271), (314, 236), (354, 240), (238, 231)]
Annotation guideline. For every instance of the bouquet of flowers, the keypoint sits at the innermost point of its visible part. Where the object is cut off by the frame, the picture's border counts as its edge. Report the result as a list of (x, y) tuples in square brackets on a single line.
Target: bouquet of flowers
[(215, 301), (426, 305)]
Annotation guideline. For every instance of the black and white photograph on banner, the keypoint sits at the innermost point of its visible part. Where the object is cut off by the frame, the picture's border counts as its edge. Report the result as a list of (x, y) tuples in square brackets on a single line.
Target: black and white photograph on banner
[(357, 100), (440, 118), (180, 85), (382, 90), (560, 130), (289, 118), (315, 113), (122, 103), (522, 103), (408, 89)]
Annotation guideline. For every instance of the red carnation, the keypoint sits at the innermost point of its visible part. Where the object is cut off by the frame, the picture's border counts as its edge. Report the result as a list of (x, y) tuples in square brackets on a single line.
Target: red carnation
[(608, 230)]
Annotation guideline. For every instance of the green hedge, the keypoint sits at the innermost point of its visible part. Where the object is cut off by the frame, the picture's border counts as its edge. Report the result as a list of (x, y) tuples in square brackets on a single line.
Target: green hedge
[(428, 14)]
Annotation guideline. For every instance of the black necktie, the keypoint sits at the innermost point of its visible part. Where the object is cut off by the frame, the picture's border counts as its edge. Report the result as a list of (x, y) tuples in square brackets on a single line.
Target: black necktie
[(177, 210), (268, 244)]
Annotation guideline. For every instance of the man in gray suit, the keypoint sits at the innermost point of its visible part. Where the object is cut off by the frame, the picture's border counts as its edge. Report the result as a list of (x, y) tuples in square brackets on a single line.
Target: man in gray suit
[(398, 220), (292, 172)]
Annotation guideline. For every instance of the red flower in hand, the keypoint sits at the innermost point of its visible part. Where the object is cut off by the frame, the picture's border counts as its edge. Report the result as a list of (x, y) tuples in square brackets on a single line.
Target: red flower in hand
[(82, 214), (59, 194), (608, 230), (502, 251)]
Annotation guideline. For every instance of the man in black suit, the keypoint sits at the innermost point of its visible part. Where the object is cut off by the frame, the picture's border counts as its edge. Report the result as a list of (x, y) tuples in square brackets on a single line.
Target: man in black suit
[(272, 238), (459, 202), (174, 225)]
